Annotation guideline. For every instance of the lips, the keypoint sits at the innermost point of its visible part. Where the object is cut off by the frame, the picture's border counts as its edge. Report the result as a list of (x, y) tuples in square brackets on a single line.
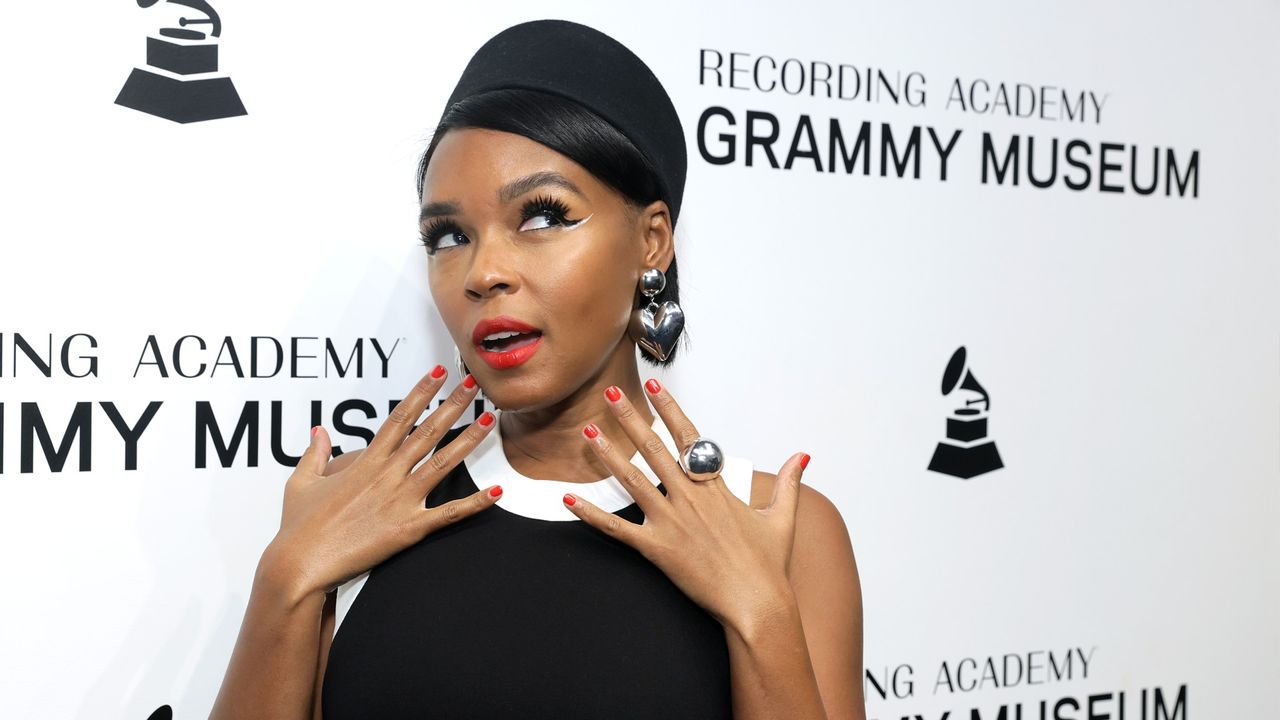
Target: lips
[(505, 342)]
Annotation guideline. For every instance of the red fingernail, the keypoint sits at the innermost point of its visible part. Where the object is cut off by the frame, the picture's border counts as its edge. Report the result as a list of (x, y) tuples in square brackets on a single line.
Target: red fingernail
[(437, 371), (495, 491), (653, 387), (613, 393), (486, 418), (468, 382), (591, 431), (568, 499), (804, 461), (314, 430)]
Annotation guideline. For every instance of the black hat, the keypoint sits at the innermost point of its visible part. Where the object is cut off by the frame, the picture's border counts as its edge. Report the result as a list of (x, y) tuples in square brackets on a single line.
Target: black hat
[(584, 65)]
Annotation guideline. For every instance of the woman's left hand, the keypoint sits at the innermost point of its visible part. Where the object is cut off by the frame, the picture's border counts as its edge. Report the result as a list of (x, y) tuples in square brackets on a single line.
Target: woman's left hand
[(727, 556)]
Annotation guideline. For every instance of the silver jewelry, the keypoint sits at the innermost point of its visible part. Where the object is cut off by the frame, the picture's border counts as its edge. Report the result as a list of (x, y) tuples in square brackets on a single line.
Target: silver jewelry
[(463, 371), (655, 328), (702, 460)]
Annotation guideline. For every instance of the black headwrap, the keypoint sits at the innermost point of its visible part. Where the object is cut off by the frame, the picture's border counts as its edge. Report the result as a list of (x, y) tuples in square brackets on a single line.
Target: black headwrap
[(585, 65)]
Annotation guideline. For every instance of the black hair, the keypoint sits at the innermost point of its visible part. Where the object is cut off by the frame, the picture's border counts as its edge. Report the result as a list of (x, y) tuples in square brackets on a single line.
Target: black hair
[(575, 132)]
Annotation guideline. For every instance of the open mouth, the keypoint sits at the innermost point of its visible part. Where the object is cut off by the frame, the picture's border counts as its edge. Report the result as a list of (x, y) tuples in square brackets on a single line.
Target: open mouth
[(509, 340), (505, 342)]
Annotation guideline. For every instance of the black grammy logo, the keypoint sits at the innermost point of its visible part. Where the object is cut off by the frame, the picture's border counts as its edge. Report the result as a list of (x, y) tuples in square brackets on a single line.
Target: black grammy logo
[(187, 53), (966, 452)]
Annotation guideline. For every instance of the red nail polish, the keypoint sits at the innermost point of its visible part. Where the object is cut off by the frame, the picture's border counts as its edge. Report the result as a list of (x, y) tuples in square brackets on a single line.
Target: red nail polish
[(804, 461), (495, 491), (568, 499), (653, 387), (613, 393), (486, 418), (468, 382), (314, 430), (591, 431), (438, 371)]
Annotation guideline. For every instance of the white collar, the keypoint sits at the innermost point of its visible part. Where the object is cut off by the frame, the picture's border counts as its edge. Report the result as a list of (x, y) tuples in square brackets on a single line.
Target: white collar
[(542, 499)]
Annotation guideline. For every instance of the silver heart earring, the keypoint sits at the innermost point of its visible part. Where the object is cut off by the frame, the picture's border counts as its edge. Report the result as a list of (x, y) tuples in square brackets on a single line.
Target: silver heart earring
[(655, 328)]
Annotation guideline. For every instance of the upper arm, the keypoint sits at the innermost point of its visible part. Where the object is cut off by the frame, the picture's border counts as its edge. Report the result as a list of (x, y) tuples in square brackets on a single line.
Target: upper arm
[(824, 578), (328, 614)]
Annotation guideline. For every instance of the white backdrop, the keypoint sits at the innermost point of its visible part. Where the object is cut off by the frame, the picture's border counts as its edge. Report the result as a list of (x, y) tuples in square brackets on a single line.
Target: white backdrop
[(1130, 344)]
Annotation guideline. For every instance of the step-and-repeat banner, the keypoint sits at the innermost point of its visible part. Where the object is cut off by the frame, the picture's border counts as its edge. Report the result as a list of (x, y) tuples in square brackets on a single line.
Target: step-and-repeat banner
[(1007, 272)]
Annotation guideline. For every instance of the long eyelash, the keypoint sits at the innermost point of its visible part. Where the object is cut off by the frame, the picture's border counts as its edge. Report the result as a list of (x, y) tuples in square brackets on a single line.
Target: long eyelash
[(540, 205), (545, 204), (434, 231)]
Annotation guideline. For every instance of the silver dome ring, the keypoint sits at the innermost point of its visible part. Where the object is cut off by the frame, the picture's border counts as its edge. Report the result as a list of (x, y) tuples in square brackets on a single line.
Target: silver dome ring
[(702, 460)]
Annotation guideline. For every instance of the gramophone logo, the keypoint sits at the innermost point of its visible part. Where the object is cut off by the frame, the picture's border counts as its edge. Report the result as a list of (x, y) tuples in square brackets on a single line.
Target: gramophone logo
[(966, 452), (182, 52)]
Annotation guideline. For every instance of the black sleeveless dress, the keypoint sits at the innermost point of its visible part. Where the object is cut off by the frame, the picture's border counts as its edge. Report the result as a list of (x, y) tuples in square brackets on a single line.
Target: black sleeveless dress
[(503, 615)]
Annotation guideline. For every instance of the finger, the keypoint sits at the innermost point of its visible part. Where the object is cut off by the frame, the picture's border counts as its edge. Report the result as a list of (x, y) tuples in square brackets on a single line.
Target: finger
[(647, 495), (650, 445), (609, 523), (405, 413), (786, 491), (316, 459), (423, 440), (443, 460), (432, 519), (678, 424)]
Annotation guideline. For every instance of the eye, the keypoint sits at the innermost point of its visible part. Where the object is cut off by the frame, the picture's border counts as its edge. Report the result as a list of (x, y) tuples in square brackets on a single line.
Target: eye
[(441, 234), (545, 212), (545, 216)]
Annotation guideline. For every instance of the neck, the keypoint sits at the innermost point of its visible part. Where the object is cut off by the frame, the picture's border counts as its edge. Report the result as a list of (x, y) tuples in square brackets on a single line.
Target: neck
[(548, 442)]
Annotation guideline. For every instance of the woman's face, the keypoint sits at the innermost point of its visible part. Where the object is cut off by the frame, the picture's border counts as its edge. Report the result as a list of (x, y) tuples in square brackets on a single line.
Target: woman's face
[(533, 264)]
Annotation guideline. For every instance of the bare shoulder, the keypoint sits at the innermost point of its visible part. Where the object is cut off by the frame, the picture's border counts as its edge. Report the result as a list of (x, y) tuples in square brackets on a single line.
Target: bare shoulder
[(820, 529), (814, 507), (824, 577), (342, 461)]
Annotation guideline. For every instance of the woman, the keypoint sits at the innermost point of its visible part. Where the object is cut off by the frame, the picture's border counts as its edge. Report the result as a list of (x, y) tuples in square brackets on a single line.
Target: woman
[(662, 583)]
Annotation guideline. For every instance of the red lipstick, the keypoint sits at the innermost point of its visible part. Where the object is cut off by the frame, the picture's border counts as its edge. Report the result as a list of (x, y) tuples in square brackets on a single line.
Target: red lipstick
[(505, 342)]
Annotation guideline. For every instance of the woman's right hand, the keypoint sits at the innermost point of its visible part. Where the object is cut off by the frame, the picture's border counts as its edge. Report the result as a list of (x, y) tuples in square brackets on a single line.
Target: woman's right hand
[(335, 527)]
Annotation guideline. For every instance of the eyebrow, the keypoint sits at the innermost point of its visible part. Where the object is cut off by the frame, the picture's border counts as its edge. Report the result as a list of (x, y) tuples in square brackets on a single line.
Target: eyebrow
[(506, 193)]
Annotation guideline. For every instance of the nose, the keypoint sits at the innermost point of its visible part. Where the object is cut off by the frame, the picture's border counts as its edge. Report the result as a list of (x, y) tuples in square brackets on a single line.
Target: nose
[(491, 271)]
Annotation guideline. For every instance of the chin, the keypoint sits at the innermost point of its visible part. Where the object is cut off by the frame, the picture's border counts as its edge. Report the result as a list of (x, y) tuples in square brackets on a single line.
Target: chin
[(521, 394)]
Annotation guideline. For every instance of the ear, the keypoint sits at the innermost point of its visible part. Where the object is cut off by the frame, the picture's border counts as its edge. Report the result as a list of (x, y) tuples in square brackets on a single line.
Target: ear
[(656, 235)]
